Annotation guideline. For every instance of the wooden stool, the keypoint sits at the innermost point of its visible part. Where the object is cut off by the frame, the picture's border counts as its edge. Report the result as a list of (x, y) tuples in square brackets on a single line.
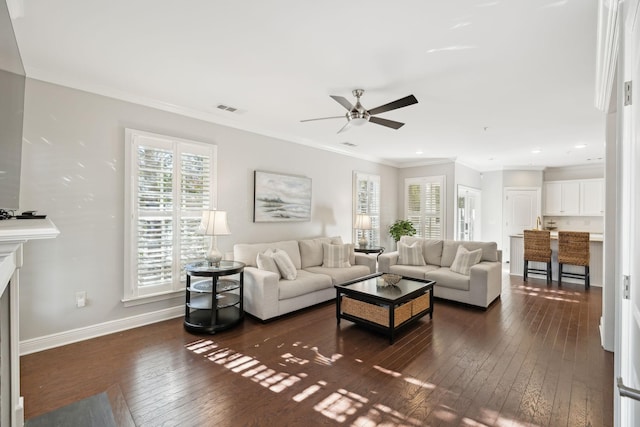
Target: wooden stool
[(537, 247), (573, 249)]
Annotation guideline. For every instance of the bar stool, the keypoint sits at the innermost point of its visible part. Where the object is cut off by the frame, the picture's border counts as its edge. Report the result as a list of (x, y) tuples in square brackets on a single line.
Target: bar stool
[(573, 249), (537, 247)]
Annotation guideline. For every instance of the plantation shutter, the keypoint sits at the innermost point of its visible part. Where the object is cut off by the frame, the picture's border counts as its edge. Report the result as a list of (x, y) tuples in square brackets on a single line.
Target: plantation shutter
[(172, 183), (423, 206), (155, 215), (367, 201)]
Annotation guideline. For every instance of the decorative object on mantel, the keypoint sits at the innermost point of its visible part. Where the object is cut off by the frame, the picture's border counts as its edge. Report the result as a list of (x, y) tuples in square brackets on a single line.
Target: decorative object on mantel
[(214, 223), (6, 214), (362, 223), (402, 227), (281, 198)]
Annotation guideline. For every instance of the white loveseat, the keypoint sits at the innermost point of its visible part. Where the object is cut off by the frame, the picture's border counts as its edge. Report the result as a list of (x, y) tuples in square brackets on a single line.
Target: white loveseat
[(480, 288), (267, 296)]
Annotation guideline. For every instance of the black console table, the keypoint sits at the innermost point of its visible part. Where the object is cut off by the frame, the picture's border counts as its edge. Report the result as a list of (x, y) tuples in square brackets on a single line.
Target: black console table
[(213, 301)]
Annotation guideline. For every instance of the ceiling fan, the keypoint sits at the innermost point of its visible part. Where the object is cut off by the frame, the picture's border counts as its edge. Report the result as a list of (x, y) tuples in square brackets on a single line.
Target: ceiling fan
[(357, 115)]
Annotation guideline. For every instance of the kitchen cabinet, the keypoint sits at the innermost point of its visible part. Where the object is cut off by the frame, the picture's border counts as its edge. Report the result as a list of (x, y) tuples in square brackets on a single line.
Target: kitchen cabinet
[(592, 197), (562, 198), (574, 198)]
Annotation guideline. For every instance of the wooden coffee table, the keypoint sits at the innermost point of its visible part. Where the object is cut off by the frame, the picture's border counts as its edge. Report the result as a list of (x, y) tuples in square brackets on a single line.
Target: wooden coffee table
[(384, 308)]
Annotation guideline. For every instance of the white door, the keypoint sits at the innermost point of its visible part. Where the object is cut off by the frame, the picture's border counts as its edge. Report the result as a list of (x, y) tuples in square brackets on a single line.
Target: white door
[(627, 347), (521, 210), (468, 212)]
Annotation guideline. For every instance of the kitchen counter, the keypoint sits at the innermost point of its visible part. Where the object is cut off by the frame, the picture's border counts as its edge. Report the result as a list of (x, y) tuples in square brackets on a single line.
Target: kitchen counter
[(593, 237), (596, 258)]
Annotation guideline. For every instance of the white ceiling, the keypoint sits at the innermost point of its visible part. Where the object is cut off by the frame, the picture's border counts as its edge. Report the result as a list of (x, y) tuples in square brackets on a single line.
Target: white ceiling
[(494, 79)]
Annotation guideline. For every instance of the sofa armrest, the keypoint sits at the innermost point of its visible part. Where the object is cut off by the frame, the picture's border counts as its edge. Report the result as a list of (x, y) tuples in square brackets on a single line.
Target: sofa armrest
[(485, 281), (260, 293), (386, 260), (368, 260)]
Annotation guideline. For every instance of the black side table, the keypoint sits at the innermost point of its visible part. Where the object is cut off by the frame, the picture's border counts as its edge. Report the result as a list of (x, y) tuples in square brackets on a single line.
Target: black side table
[(213, 303), (370, 250)]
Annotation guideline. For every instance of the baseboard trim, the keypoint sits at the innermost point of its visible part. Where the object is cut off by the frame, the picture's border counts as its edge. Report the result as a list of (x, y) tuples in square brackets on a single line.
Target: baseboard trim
[(47, 342)]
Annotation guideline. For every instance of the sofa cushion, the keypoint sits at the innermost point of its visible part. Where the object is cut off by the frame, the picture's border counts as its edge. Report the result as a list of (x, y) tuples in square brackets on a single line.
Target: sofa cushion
[(312, 254), (341, 275), (248, 252), (448, 279), (489, 249), (285, 265), (266, 262), (410, 254), (304, 283), (431, 248), (336, 256), (416, 271), (465, 259)]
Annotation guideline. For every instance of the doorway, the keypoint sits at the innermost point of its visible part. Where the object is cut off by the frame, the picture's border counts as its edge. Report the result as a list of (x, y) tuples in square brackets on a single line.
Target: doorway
[(468, 213)]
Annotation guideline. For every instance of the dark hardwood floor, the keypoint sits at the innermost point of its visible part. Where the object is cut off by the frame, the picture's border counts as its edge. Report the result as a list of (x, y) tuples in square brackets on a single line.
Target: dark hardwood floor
[(532, 359)]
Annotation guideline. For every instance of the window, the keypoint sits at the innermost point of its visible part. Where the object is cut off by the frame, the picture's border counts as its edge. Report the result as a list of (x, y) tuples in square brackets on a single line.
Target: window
[(169, 182), (367, 201), (424, 205)]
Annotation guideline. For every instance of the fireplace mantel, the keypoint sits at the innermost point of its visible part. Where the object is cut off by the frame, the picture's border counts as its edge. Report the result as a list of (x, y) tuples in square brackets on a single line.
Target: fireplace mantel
[(13, 234)]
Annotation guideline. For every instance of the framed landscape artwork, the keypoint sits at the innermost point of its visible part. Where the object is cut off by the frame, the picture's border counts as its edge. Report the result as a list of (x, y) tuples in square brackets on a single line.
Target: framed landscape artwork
[(280, 198)]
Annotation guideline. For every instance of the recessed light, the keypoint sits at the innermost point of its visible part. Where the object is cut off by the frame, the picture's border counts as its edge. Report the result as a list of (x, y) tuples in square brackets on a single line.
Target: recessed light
[(536, 151), (419, 152), (580, 146)]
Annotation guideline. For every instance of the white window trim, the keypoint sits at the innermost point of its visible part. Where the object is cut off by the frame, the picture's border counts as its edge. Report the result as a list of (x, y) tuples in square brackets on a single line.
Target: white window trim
[(132, 294), (363, 176), (440, 179)]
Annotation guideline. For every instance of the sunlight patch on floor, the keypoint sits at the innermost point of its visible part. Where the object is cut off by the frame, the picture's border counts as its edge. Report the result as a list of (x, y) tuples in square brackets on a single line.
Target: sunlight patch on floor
[(341, 405)]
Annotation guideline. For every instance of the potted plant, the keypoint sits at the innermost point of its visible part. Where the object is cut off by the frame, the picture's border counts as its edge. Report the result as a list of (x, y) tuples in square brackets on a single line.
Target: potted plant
[(401, 227)]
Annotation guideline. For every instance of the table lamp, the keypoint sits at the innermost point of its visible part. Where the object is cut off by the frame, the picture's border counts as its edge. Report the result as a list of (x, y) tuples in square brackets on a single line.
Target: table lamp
[(363, 222), (214, 223)]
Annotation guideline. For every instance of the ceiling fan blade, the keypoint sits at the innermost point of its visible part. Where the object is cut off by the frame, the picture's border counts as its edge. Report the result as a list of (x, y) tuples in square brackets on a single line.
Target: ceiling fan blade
[(345, 127), (342, 101), (386, 122), (399, 103), (323, 118)]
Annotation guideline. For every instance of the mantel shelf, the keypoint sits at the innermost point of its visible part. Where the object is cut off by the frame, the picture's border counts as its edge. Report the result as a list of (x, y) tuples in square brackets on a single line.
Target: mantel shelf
[(22, 230)]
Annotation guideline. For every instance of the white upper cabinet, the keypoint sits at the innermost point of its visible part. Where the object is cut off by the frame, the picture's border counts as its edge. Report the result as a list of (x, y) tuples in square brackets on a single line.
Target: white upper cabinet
[(574, 198), (562, 198), (592, 197)]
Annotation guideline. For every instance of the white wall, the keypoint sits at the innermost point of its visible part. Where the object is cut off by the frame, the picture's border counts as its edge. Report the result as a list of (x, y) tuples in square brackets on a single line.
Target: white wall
[(522, 178), (72, 170), (492, 193)]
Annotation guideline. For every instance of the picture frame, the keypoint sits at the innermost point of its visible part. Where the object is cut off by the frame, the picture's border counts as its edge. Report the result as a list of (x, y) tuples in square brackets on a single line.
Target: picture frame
[(281, 197)]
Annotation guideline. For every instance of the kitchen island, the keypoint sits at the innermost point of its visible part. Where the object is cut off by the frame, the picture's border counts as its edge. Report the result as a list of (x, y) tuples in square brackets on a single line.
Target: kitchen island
[(516, 263)]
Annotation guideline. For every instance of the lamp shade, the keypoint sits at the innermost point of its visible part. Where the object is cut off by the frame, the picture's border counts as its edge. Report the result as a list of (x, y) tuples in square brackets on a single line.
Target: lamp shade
[(363, 222), (214, 223)]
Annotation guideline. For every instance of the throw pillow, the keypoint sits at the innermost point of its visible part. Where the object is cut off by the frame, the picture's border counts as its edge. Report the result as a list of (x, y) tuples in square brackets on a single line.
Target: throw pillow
[(336, 256), (265, 261), (410, 254), (465, 259), (285, 265)]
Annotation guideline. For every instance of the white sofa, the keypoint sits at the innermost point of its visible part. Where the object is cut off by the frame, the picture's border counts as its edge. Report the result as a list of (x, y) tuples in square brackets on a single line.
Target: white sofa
[(480, 288), (267, 296)]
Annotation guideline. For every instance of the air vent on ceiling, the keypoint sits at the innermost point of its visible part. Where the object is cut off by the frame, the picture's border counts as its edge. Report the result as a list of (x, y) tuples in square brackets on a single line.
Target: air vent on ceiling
[(227, 108), (349, 144)]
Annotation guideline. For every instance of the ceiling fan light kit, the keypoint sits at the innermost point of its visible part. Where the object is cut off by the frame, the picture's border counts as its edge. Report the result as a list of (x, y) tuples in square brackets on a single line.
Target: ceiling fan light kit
[(357, 115)]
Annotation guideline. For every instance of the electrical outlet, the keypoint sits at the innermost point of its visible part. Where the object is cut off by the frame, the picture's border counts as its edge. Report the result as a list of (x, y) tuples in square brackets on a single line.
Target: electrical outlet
[(81, 299)]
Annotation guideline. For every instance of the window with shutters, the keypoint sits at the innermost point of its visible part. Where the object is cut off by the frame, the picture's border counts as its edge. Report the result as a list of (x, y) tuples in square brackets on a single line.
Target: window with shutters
[(424, 205), (169, 182), (366, 197)]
